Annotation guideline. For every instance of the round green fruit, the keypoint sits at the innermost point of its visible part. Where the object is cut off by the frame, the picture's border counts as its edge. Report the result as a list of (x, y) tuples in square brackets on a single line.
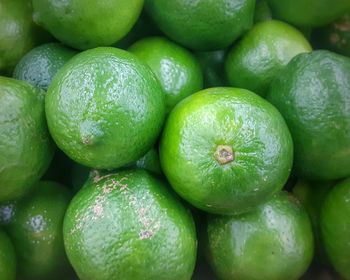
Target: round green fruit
[(7, 258), (272, 242), (127, 225), (226, 150), (335, 227), (26, 149), (313, 94), (175, 67), (40, 65), (310, 13), (36, 231), (84, 24), (105, 108), (262, 53), (203, 24)]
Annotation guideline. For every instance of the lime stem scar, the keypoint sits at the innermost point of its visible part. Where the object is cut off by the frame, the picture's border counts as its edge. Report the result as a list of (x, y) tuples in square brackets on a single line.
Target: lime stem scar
[(224, 154)]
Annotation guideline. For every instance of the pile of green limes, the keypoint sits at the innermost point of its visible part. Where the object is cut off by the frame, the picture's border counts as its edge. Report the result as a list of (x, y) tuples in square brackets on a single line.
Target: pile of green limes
[(174, 139)]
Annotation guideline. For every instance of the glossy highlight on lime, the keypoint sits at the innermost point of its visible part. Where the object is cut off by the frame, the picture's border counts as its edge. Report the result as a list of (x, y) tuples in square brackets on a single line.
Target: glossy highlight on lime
[(105, 108), (40, 65), (128, 225), (219, 156), (313, 94), (273, 242)]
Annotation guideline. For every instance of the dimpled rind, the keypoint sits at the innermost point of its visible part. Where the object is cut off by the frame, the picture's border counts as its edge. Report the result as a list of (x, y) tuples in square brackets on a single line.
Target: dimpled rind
[(39, 66), (335, 227), (273, 242), (313, 95), (203, 24), (127, 225), (105, 108), (85, 24), (241, 120), (26, 148)]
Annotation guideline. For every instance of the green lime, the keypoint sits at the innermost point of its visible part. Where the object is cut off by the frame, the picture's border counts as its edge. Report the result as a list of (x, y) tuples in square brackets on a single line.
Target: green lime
[(175, 67), (84, 24), (105, 108), (7, 258), (40, 65), (18, 33), (262, 11), (212, 64), (309, 13), (313, 95), (226, 150), (262, 53), (127, 225), (335, 227), (335, 36), (36, 231), (25, 146), (202, 24), (312, 195), (273, 242)]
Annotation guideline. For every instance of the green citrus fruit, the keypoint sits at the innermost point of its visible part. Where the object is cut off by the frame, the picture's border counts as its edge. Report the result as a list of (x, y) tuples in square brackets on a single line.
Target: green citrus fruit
[(40, 65), (84, 24), (335, 36), (105, 108), (18, 33), (273, 242), (309, 12), (7, 258), (36, 231), (226, 150), (88, 24), (25, 146), (335, 227), (212, 64), (175, 67), (313, 95), (312, 195), (203, 24), (262, 11), (262, 53), (127, 225)]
